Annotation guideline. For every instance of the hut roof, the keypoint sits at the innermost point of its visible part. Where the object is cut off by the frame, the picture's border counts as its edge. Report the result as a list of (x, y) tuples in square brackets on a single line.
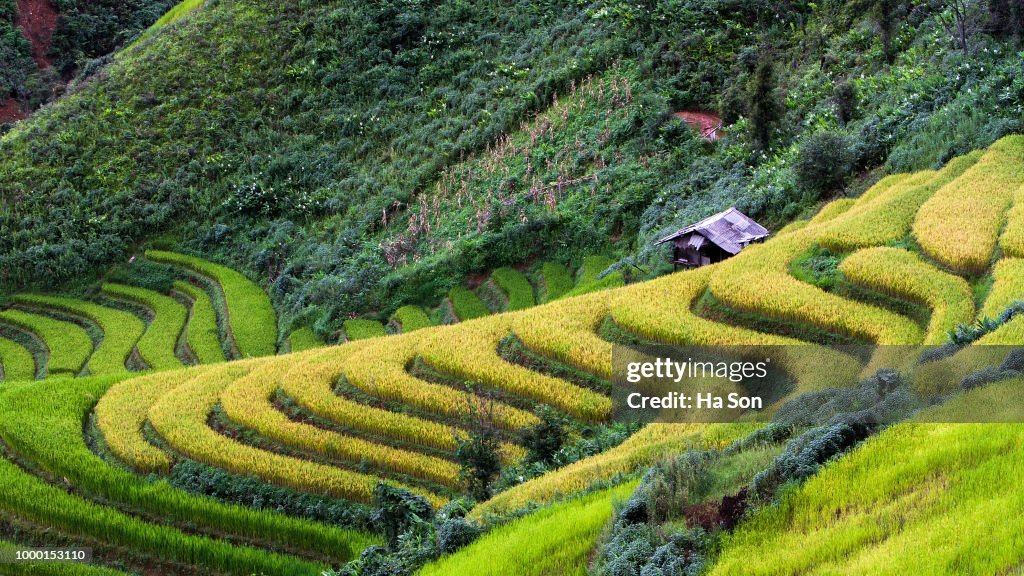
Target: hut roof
[(730, 230)]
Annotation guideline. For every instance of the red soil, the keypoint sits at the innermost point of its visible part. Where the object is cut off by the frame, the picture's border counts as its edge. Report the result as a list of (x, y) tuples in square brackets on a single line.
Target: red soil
[(710, 125), (10, 111), (37, 19)]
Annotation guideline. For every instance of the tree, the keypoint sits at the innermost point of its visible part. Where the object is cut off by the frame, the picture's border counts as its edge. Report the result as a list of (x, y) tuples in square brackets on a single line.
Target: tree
[(546, 437), (885, 17), (961, 19), (477, 452), (764, 105)]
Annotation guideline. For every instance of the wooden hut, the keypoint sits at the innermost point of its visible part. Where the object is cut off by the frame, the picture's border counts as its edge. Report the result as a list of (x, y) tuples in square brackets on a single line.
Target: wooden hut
[(714, 238)]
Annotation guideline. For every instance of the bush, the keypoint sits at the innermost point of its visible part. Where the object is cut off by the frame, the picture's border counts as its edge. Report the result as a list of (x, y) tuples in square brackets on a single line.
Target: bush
[(397, 510), (477, 454), (825, 163), (545, 439)]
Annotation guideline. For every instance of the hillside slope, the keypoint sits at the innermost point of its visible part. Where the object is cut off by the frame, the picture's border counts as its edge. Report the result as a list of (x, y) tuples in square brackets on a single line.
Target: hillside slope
[(393, 148)]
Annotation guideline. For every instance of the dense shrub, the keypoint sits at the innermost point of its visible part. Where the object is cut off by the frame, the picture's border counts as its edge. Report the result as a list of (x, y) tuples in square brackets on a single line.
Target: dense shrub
[(825, 163)]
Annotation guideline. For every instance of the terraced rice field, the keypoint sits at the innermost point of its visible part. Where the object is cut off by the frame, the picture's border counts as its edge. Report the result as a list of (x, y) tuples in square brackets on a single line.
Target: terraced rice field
[(332, 422)]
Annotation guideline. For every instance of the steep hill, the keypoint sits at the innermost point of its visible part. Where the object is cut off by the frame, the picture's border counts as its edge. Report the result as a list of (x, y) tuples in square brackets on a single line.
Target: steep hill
[(356, 158)]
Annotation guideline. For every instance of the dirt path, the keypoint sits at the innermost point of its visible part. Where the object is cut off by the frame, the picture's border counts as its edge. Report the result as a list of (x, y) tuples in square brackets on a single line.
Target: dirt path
[(710, 125), (10, 111), (37, 19)]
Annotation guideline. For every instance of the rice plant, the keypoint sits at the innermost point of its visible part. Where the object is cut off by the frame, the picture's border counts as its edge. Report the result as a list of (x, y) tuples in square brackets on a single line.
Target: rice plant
[(121, 330), (516, 287), (157, 346), (68, 344), (411, 318), (17, 362), (361, 329), (203, 334)]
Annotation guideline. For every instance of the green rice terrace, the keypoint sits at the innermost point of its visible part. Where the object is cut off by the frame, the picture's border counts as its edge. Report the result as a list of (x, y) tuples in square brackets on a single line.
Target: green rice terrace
[(297, 463)]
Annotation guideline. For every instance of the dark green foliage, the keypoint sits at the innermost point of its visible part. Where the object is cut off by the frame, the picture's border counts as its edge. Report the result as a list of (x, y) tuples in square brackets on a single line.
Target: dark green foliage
[(763, 102), (825, 163), (883, 398), (592, 441), (307, 172), (817, 266), (89, 29), (844, 96), (397, 510), (421, 540), (477, 455), (248, 491), (805, 454), (544, 439), (986, 375)]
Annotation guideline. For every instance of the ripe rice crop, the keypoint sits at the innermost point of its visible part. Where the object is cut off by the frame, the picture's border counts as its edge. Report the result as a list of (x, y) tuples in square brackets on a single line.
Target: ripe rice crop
[(303, 339), (121, 330), (36, 419), (361, 329), (758, 281), (381, 371), (516, 287), (903, 274), (247, 401), (567, 331), (832, 209), (1008, 287), (412, 318), (556, 281), (180, 417), (311, 385), (466, 304), (555, 540), (887, 217), (1012, 238), (959, 225), (158, 344), (16, 360), (122, 412), (470, 351), (659, 310), (203, 333), (69, 345), (250, 315)]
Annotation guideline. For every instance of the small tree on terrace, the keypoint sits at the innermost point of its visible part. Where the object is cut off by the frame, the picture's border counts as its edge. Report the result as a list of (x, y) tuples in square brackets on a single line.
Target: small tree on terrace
[(477, 451)]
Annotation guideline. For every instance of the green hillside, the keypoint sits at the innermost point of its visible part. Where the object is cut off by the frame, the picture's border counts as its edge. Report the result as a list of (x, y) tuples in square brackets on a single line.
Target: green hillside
[(381, 166)]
